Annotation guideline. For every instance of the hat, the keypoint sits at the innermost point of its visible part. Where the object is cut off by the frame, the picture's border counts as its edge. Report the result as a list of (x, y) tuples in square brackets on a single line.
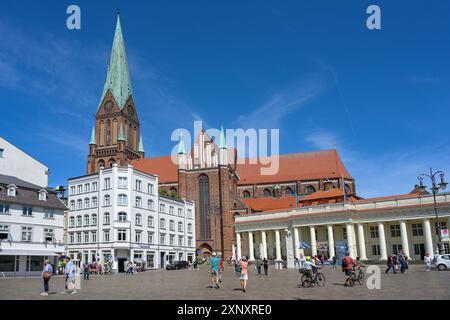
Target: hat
[(308, 258), (214, 254)]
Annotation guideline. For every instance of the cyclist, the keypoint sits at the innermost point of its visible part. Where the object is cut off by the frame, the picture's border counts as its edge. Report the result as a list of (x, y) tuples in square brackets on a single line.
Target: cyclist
[(347, 266), (310, 266)]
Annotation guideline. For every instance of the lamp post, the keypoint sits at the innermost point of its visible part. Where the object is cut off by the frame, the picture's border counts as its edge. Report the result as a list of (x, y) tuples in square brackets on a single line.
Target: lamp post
[(435, 189)]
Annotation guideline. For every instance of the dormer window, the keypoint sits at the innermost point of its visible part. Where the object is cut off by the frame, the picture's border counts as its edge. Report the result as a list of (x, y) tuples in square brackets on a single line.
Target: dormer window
[(12, 190), (2, 151), (43, 195)]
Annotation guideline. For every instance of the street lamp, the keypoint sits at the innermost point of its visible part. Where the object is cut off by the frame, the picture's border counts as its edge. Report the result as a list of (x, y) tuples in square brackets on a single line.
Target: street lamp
[(435, 187)]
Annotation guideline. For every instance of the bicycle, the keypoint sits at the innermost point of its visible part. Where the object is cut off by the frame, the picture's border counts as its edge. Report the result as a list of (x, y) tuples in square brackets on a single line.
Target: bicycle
[(357, 275), (308, 280)]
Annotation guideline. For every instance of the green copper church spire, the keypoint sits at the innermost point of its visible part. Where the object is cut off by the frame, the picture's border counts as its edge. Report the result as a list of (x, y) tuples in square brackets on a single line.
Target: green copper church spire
[(118, 78), (121, 134), (93, 140), (141, 145), (181, 148)]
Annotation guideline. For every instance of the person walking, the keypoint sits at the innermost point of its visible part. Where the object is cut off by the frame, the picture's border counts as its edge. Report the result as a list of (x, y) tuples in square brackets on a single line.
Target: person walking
[(129, 268), (390, 264), (214, 264), (302, 260), (237, 268), (428, 260), (220, 269), (403, 259), (265, 264), (322, 260), (69, 272), (85, 271), (195, 265), (46, 275), (258, 265), (334, 262), (244, 273)]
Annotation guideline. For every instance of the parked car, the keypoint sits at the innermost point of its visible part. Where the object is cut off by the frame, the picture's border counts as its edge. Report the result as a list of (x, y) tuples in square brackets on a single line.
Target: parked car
[(176, 265), (442, 262)]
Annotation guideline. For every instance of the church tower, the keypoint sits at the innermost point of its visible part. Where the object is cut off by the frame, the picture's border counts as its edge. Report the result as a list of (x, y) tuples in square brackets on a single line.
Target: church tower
[(116, 137)]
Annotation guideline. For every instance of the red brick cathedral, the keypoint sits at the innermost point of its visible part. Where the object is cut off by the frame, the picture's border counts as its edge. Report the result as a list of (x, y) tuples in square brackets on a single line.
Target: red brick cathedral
[(221, 184)]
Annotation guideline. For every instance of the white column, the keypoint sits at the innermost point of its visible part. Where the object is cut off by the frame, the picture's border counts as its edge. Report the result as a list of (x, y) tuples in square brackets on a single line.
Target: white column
[(296, 242), (238, 246), (362, 242), (404, 234), (312, 231), (350, 243), (264, 243), (330, 242), (277, 245), (355, 243), (250, 247), (428, 237), (382, 238)]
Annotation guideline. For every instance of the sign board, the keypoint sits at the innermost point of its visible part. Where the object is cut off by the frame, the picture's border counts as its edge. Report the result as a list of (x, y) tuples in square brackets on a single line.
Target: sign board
[(444, 235)]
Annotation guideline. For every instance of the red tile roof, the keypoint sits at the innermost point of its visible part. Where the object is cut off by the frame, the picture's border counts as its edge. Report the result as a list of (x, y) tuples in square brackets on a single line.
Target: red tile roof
[(321, 194), (164, 167), (269, 203), (296, 166)]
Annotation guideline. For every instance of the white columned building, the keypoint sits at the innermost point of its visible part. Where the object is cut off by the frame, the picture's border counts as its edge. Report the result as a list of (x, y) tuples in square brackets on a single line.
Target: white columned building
[(370, 229)]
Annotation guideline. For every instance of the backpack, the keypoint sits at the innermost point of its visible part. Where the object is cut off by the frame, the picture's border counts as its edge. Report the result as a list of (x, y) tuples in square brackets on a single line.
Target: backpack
[(344, 263)]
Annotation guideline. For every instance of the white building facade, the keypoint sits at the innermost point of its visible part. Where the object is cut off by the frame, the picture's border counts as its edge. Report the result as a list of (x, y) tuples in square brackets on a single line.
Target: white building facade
[(31, 227), (14, 162), (118, 214), (370, 230)]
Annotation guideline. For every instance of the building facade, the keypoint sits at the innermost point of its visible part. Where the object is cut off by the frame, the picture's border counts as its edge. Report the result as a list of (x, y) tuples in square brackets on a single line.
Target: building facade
[(31, 227), (371, 229), (118, 215)]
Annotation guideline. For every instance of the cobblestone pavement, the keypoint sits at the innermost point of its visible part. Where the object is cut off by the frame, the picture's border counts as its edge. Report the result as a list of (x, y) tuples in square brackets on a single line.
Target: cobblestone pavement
[(193, 285)]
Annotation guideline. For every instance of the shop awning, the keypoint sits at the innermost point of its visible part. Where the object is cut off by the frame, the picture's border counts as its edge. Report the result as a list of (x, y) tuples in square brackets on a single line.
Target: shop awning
[(16, 252)]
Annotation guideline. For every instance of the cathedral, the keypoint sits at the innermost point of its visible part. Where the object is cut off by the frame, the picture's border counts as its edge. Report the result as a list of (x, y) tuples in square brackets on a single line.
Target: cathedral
[(221, 184)]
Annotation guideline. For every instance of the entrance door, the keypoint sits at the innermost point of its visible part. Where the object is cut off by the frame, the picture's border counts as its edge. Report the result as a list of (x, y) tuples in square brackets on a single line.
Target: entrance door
[(121, 266), (422, 250), (162, 260)]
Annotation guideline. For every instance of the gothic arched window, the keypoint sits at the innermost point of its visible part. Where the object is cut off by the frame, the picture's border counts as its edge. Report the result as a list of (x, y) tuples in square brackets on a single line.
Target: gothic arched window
[(310, 189), (288, 191), (101, 164), (267, 193), (108, 132), (130, 137), (205, 224), (246, 194)]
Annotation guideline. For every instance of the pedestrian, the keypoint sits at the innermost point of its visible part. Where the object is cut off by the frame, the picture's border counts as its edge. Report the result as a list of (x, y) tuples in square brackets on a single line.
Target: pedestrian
[(390, 264), (214, 263), (133, 267), (46, 275), (258, 265), (334, 262), (322, 260), (428, 260), (265, 264), (220, 269), (69, 273), (244, 273), (85, 271), (129, 268), (195, 265), (237, 268), (302, 260), (402, 258)]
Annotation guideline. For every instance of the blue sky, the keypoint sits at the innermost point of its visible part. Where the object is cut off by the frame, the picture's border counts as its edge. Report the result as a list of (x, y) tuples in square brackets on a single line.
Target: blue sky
[(310, 68)]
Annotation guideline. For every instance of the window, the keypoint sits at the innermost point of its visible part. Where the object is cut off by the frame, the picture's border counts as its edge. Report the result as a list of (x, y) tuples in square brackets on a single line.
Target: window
[(80, 204), (310, 189), (172, 240), (87, 203), (180, 212), (107, 183), (150, 188), (396, 248), (106, 218), (122, 235), (2, 153), (86, 187), (48, 235), (162, 207), (26, 211), (180, 241), (172, 225), (48, 214), (417, 249), (72, 222), (162, 223), (395, 231), (374, 233), (72, 205), (442, 225), (122, 216), (138, 237), (42, 196), (123, 200), (4, 208), (288, 191), (162, 238), (267, 193), (180, 226), (190, 241), (94, 220), (86, 237), (94, 236), (94, 202), (94, 186), (138, 202), (80, 188), (150, 204), (123, 182), (446, 248), (205, 223), (86, 220), (189, 228), (344, 233), (138, 185), (246, 194), (27, 233), (4, 231), (150, 222), (150, 238), (79, 221), (72, 190), (417, 230), (106, 236), (71, 237), (78, 237), (189, 213), (170, 210), (138, 220), (376, 250), (106, 200)]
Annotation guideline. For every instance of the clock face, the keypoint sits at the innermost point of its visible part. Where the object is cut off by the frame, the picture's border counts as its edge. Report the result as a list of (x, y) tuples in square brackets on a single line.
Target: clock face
[(130, 110), (108, 106)]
